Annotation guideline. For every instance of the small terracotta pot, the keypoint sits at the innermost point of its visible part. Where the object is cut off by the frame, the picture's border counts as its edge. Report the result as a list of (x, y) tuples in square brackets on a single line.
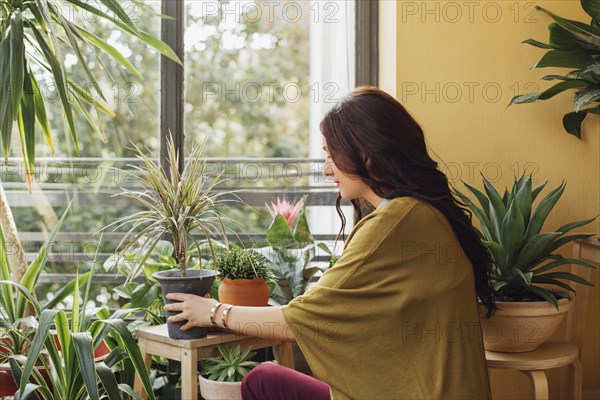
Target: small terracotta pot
[(244, 292), (517, 327)]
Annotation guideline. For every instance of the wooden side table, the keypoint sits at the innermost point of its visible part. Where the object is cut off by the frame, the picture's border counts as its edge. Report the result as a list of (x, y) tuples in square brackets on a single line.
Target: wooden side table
[(154, 341)]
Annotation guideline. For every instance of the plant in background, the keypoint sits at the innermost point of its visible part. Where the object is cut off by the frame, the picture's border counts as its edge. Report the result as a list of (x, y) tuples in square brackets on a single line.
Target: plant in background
[(231, 366), (291, 250), (575, 45), (176, 204), (523, 256)]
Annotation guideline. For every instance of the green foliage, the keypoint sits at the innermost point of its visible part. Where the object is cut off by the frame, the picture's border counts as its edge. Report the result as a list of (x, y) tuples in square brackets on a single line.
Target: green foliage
[(231, 366), (572, 44), (176, 204), (522, 254), (291, 252), (237, 263), (33, 35)]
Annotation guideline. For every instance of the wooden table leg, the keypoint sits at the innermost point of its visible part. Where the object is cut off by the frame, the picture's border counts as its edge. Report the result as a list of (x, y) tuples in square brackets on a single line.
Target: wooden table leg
[(189, 374), (137, 384), (574, 379), (540, 384), (285, 355)]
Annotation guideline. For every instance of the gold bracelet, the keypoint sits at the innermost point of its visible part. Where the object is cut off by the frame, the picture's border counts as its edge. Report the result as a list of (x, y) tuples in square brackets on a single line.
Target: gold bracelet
[(212, 313), (224, 317)]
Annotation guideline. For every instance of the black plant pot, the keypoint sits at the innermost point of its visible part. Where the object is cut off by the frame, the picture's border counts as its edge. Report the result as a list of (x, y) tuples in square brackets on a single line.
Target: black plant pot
[(196, 282)]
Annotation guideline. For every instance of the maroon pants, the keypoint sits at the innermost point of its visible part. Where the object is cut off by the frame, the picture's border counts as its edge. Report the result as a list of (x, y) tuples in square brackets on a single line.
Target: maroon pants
[(274, 382)]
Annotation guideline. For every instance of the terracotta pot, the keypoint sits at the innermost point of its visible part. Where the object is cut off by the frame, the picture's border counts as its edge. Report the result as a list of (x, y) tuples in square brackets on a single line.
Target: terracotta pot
[(213, 390), (518, 327), (244, 292), (100, 353), (8, 387)]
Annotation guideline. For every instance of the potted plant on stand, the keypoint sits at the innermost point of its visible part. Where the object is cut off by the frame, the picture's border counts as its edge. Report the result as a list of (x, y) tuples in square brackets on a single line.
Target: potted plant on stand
[(221, 377), (531, 297), (244, 275), (177, 204)]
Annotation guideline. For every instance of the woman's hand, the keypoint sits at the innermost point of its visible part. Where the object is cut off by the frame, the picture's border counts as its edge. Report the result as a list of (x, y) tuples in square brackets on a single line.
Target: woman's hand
[(194, 309)]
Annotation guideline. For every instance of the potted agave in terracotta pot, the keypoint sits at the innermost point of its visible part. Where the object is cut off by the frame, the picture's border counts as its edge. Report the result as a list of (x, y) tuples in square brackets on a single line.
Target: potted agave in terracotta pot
[(531, 295), (178, 203)]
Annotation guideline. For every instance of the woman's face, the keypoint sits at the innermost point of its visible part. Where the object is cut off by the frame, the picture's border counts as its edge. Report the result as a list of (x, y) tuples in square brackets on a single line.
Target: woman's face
[(351, 187)]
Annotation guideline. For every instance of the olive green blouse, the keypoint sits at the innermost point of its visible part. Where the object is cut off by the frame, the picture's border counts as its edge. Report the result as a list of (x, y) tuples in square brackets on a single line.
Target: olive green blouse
[(396, 317)]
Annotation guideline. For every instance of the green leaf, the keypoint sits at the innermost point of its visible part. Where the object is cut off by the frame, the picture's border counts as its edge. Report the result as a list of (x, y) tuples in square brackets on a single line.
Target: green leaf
[(17, 68), (561, 39), (566, 276), (592, 8), (6, 292), (583, 32), (537, 44), (542, 211), (564, 59), (40, 114), (512, 232), (572, 121), (563, 261), (586, 96), (113, 52), (60, 80), (545, 294), (524, 200), (279, 233), (534, 249), (82, 341), (301, 232), (109, 382), (46, 319), (572, 225)]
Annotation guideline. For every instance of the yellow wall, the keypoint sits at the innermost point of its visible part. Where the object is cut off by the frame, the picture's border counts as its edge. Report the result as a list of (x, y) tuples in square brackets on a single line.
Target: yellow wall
[(458, 64)]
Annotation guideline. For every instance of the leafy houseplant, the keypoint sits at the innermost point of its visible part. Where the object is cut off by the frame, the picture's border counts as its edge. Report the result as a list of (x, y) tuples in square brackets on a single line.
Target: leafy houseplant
[(291, 249), (575, 45), (177, 204), (244, 275), (222, 376), (35, 36), (524, 257)]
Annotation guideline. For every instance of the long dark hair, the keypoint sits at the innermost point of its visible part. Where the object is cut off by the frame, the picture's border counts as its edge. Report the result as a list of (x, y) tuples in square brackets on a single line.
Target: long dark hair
[(371, 136)]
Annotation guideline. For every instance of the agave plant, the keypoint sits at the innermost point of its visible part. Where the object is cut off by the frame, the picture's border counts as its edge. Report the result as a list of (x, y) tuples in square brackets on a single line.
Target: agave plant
[(575, 45), (176, 204), (523, 256)]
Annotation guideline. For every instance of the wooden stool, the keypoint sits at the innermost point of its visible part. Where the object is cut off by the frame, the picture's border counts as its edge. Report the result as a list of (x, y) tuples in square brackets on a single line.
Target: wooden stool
[(154, 341), (533, 363)]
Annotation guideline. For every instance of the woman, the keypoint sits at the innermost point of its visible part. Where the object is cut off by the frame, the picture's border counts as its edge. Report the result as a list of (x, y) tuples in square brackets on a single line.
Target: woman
[(396, 317)]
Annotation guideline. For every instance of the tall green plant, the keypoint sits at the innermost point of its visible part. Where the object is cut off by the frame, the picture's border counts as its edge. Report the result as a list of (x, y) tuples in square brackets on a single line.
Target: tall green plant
[(176, 204), (575, 45), (523, 255)]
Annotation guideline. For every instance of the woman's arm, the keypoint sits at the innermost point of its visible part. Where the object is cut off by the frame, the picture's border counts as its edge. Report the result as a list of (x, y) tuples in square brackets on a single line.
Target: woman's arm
[(262, 322)]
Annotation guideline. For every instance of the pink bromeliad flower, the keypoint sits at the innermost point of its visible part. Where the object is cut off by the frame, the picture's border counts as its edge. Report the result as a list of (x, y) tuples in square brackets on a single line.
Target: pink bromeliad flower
[(285, 208)]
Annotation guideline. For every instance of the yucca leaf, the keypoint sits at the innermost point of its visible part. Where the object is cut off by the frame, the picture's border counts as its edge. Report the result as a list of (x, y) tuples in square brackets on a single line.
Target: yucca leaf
[(30, 389), (537, 190), (40, 114), (6, 291), (572, 225), (113, 52), (524, 200), (46, 319), (109, 382), (17, 57), (542, 211), (60, 80), (82, 342)]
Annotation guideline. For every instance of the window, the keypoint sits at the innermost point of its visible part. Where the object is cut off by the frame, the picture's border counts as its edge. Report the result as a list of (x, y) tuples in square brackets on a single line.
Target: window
[(258, 77)]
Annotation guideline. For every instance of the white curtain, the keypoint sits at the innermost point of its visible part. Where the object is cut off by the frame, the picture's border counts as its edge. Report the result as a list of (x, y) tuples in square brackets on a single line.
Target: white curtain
[(332, 75)]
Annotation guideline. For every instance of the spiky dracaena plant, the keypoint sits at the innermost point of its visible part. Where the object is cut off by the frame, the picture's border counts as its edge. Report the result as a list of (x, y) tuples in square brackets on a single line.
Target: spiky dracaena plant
[(176, 203), (523, 256)]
